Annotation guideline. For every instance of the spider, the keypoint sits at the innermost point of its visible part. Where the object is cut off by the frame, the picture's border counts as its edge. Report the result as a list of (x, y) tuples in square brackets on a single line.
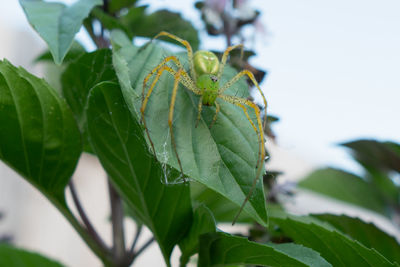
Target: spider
[(205, 72)]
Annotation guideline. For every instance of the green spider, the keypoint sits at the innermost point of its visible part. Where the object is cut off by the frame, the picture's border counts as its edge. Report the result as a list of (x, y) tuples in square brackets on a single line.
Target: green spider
[(205, 73)]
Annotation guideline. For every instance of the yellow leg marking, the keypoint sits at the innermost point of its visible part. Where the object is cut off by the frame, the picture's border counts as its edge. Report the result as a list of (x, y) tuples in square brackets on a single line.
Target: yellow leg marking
[(146, 99), (225, 57), (251, 76), (216, 114), (188, 48), (171, 116), (186, 79), (236, 101), (200, 106)]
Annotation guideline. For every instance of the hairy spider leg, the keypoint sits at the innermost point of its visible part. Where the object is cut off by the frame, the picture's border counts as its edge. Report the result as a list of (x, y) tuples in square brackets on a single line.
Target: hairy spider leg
[(241, 102), (251, 76), (200, 106), (225, 57), (186, 81), (177, 78), (216, 114), (188, 48)]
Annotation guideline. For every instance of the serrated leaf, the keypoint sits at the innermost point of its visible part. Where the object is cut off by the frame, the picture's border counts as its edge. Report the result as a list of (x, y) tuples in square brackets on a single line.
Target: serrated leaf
[(221, 249), (335, 247), (224, 157), (118, 141), (56, 23), (203, 222), (366, 233), (14, 257), (344, 186), (39, 137)]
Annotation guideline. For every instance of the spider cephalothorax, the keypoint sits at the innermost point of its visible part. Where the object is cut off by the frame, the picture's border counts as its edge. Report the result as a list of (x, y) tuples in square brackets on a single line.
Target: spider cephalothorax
[(205, 71)]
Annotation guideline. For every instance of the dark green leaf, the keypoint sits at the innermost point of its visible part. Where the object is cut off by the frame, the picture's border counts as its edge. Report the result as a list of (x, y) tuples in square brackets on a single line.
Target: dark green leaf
[(56, 23), (118, 141), (203, 222), (224, 157), (39, 137), (117, 5), (335, 247), (108, 21), (344, 186), (221, 249), (161, 20), (14, 257), (366, 233)]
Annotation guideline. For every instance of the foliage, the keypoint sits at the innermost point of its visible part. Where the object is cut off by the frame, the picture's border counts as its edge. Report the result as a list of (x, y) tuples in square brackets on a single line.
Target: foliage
[(44, 131)]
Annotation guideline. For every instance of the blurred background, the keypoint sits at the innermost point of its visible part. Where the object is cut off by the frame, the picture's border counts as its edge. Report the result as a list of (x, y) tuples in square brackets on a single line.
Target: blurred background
[(332, 71)]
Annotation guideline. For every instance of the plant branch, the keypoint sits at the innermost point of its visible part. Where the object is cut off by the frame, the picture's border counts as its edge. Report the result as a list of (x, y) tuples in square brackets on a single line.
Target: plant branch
[(117, 218), (135, 240), (140, 250), (89, 227)]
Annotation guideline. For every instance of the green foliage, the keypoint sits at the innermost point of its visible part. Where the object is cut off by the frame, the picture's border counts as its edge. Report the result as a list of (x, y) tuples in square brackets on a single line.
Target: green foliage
[(365, 233), (337, 248), (41, 141), (344, 186), (118, 141), (222, 158), (14, 257), (221, 249), (56, 23)]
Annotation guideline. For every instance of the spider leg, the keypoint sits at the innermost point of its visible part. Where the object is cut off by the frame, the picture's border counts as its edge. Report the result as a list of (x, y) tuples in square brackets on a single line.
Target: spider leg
[(225, 57), (200, 106), (241, 102), (251, 76), (177, 77), (188, 48), (216, 113), (186, 79)]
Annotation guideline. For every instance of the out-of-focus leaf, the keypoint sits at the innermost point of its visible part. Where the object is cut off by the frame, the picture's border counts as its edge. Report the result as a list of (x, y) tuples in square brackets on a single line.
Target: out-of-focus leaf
[(345, 187), (118, 141), (221, 249), (14, 257), (365, 233), (224, 157), (335, 247), (109, 22), (75, 51), (39, 137), (203, 222), (162, 20), (117, 5), (56, 23)]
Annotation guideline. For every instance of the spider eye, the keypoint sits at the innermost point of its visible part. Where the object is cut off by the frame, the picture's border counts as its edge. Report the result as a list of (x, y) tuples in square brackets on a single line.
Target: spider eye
[(214, 78)]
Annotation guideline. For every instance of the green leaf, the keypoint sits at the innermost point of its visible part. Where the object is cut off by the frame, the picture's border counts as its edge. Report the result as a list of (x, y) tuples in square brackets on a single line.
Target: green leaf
[(366, 233), (161, 20), (14, 257), (222, 208), (118, 141), (39, 137), (117, 5), (221, 249), (203, 222), (75, 51), (222, 158), (56, 23), (344, 186), (83, 74), (335, 247)]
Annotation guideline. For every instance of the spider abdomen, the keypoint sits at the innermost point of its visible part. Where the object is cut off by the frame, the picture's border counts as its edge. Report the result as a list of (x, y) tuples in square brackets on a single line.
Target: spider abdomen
[(209, 86)]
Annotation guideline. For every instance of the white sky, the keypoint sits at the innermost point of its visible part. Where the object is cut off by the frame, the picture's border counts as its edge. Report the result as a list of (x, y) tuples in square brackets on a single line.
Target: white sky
[(333, 70)]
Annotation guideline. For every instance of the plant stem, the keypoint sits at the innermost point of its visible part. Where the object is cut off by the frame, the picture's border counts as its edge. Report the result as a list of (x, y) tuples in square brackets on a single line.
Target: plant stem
[(140, 250), (117, 218), (135, 240), (89, 227)]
